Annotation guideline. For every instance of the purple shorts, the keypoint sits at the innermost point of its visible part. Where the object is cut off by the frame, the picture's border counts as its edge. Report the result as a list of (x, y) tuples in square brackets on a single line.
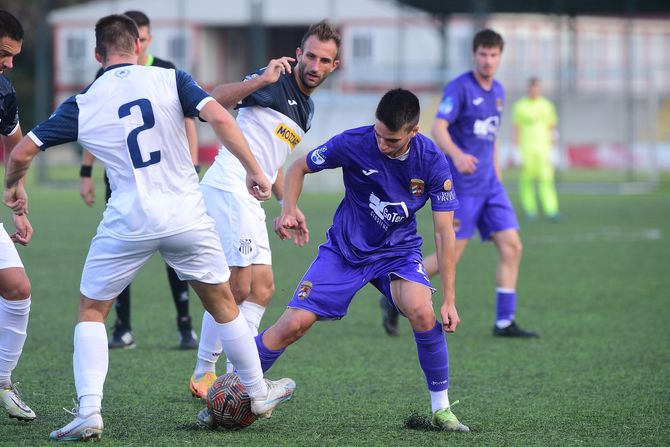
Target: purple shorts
[(488, 213), (330, 283)]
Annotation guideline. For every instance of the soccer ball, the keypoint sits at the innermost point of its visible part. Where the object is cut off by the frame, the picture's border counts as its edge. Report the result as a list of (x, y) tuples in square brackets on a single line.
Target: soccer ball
[(229, 404)]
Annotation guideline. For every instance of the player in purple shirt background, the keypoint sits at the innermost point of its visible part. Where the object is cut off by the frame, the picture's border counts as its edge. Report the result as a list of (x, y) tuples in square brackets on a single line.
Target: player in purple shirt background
[(466, 128), (389, 171)]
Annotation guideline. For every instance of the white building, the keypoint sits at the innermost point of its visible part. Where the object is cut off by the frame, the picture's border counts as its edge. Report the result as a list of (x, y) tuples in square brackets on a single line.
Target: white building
[(604, 73)]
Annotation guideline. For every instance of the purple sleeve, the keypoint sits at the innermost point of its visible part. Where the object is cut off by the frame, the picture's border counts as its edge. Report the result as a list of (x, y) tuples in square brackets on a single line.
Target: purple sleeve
[(502, 95), (329, 155), (441, 186), (451, 103)]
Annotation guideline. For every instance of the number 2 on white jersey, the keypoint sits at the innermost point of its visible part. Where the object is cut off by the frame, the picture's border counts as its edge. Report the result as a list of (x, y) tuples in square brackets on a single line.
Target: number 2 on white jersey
[(149, 122)]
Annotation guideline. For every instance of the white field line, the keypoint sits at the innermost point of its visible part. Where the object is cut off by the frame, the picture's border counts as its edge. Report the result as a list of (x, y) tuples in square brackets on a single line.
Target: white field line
[(603, 234)]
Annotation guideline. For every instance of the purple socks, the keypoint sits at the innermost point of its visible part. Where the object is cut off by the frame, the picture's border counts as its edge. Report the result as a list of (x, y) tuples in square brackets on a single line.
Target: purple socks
[(506, 306), (268, 356), (433, 357)]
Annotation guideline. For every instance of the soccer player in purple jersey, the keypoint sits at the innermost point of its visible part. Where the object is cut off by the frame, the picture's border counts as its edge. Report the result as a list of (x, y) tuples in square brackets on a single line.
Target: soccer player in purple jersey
[(390, 171), (465, 128)]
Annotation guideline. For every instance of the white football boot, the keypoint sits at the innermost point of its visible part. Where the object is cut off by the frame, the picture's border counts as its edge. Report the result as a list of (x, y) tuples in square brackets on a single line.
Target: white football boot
[(278, 391), (16, 408), (82, 428)]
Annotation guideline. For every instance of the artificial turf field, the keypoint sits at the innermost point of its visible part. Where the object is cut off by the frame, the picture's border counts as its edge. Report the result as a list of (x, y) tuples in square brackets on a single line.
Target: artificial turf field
[(596, 286)]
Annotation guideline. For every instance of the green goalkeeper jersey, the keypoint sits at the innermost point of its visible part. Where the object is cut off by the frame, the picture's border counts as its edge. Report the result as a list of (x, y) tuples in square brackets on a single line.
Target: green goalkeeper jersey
[(535, 120)]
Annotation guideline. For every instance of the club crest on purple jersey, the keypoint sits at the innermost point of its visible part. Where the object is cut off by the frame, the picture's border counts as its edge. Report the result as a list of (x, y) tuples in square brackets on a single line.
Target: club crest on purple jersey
[(417, 186)]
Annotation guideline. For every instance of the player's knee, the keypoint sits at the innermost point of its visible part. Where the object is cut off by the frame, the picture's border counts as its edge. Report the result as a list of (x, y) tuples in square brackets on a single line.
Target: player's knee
[(513, 249), (16, 290), (421, 317), (241, 291), (262, 295), (292, 330)]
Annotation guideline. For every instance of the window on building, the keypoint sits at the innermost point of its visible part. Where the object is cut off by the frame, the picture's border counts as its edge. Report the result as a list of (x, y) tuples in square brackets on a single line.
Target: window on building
[(75, 48), (177, 50), (362, 47)]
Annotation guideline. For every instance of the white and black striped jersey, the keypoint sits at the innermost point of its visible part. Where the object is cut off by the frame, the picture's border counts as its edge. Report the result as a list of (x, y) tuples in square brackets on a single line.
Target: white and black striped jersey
[(132, 119), (273, 119)]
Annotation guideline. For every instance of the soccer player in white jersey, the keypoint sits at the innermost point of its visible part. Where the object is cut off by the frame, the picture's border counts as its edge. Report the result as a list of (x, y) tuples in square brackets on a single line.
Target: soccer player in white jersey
[(275, 111), (132, 119), (14, 283)]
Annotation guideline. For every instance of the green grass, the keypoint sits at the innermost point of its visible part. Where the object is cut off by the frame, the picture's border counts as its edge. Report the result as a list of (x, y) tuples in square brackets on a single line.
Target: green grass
[(595, 286)]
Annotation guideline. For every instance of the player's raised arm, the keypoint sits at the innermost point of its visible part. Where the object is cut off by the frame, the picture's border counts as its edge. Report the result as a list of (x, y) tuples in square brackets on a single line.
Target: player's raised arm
[(230, 134), (291, 218), (231, 93), (445, 244)]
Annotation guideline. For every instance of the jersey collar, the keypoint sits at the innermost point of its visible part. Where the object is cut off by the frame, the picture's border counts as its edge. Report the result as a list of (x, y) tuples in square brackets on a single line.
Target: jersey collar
[(111, 67)]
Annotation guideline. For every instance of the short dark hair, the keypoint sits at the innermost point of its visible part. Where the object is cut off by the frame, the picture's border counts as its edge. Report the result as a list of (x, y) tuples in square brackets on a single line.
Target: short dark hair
[(398, 109), (115, 33), (140, 18), (10, 26), (487, 38), (533, 81), (323, 31)]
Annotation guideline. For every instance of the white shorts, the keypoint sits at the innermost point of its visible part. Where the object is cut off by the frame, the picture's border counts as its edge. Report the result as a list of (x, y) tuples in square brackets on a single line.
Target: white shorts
[(9, 257), (240, 222), (112, 263)]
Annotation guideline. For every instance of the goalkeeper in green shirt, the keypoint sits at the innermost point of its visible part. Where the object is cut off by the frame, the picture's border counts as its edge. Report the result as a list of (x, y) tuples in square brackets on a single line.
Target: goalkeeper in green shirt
[(534, 118)]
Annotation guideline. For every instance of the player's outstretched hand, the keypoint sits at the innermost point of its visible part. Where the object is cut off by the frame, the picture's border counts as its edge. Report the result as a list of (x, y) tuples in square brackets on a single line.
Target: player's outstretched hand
[(292, 225), (259, 186), (466, 163), (277, 67), (87, 190), (280, 231), (24, 231), (450, 318), (300, 233)]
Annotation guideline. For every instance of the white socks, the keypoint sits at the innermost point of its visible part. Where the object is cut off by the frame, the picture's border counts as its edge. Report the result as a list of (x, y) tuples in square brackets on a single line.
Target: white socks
[(241, 349), (252, 313), (439, 400), (90, 361), (209, 348), (13, 333)]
